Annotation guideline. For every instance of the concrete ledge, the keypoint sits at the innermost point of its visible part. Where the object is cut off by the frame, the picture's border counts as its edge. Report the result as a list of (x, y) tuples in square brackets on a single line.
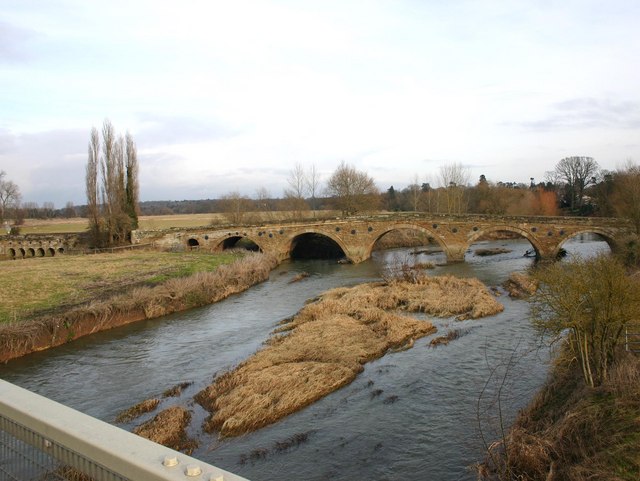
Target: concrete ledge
[(119, 451)]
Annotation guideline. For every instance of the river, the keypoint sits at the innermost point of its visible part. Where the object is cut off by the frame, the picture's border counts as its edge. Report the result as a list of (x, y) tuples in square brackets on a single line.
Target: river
[(411, 415)]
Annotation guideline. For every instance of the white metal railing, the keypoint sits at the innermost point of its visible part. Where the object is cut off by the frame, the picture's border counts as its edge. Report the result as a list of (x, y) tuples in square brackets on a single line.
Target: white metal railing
[(42, 439)]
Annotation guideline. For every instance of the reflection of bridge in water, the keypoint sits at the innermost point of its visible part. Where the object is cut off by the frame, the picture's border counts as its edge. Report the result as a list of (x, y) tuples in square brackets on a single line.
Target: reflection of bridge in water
[(356, 237)]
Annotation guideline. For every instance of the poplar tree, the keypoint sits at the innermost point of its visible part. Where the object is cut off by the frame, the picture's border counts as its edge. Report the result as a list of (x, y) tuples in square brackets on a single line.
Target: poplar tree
[(93, 206), (112, 187)]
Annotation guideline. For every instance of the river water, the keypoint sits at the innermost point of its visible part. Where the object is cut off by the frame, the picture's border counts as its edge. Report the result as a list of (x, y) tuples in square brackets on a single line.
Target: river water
[(412, 415)]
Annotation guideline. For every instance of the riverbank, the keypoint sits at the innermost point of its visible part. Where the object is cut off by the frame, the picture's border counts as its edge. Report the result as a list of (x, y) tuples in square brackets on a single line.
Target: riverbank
[(572, 432), (122, 289)]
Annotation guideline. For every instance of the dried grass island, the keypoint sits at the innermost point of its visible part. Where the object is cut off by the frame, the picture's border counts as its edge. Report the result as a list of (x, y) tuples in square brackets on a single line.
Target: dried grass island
[(326, 344)]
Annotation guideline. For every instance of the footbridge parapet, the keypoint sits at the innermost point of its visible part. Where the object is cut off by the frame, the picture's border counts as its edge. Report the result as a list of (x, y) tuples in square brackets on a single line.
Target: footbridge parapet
[(356, 236), (42, 439)]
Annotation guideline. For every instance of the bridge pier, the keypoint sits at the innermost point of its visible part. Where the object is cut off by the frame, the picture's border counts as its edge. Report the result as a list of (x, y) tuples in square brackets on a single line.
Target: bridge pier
[(455, 252)]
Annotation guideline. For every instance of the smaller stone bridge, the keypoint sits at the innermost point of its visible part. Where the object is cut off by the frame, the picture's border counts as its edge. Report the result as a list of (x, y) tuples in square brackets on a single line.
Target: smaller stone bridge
[(36, 245), (357, 236)]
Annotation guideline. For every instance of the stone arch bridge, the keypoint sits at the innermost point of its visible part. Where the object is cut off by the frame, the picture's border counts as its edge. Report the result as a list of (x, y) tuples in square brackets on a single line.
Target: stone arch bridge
[(357, 236), (36, 245)]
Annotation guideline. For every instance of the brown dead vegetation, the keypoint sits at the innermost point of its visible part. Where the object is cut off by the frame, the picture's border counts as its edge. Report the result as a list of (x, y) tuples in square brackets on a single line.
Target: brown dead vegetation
[(298, 277), (520, 285), (69, 474), (573, 432), (169, 429), (140, 303), (176, 390), (329, 340), (446, 339), (138, 410), (484, 252)]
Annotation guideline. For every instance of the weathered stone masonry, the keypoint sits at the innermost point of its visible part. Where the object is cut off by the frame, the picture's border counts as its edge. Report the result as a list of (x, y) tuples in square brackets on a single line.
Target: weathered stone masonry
[(357, 235)]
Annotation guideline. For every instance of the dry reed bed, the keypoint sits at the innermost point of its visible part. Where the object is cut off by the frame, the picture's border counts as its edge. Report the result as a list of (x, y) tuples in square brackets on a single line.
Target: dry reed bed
[(138, 410), (140, 303), (492, 251), (520, 285), (168, 428), (328, 342)]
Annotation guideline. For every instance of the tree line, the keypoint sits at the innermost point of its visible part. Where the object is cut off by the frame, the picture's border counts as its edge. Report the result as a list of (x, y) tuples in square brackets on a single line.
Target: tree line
[(577, 186)]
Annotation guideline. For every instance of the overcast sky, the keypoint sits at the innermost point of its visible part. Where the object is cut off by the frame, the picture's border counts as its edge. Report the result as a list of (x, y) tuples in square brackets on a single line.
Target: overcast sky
[(229, 95)]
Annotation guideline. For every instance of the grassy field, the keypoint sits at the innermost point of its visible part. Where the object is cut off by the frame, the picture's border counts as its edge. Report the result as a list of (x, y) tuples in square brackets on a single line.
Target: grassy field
[(31, 286), (151, 222), (160, 222)]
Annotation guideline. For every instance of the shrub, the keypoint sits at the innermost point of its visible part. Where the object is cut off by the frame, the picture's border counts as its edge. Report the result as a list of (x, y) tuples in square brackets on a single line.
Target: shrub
[(593, 300)]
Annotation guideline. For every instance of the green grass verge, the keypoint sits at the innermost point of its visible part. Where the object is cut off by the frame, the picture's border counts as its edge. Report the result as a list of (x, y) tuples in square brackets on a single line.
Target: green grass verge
[(31, 287)]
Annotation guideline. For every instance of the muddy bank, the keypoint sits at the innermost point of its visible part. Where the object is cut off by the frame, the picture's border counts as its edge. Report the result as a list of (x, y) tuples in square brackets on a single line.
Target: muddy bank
[(139, 304), (326, 344)]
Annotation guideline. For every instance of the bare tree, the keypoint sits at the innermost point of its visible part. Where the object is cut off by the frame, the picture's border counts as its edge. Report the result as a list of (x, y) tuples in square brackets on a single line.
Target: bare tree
[(577, 173), (415, 192), (48, 210), (313, 186), (91, 176), (109, 186), (454, 179), (352, 190), (70, 210), (31, 210), (264, 203), (295, 193), (235, 206), (297, 182), (9, 195), (626, 193)]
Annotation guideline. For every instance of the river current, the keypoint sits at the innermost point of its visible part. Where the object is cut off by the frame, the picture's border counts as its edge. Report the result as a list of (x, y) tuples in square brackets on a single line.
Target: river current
[(419, 414)]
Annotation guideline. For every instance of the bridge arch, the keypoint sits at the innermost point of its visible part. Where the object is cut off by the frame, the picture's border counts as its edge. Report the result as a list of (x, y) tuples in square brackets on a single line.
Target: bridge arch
[(12, 252), (192, 242), (40, 252), (306, 235), (51, 252), (506, 228), (606, 236), (407, 226), (231, 242)]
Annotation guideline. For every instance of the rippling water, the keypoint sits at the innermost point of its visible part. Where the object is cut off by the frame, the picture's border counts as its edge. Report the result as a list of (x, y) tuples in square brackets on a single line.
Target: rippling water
[(411, 415)]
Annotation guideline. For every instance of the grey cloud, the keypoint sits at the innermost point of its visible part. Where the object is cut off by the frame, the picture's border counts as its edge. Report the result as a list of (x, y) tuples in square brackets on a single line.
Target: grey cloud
[(14, 43), (166, 130), (581, 113), (7, 141), (47, 166)]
